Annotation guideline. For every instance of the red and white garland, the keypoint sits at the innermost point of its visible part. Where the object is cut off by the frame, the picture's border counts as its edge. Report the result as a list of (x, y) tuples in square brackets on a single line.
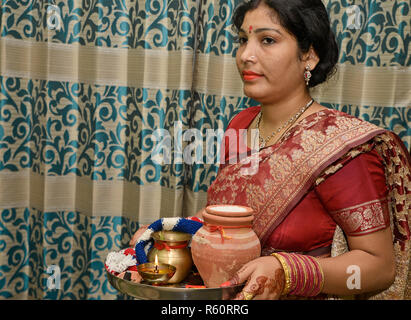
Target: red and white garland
[(118, 262)]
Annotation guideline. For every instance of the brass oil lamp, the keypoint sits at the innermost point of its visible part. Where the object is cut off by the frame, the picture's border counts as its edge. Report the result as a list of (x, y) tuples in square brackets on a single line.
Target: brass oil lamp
[(156, 273)]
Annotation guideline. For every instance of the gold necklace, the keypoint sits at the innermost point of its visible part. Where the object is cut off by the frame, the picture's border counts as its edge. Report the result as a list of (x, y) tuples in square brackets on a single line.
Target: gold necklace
[(294, 118)]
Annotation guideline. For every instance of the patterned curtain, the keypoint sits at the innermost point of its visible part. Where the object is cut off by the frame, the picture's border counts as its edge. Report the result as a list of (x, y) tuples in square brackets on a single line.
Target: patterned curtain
[(84, 86), (373, 81), (87, 85)]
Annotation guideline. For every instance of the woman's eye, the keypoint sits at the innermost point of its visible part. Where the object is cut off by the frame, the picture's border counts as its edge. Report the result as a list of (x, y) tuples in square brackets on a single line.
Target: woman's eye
[(242, 40), (268, 40)]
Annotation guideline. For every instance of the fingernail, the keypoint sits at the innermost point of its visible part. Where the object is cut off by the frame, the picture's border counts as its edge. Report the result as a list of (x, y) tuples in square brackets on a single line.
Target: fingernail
[(226, 284)]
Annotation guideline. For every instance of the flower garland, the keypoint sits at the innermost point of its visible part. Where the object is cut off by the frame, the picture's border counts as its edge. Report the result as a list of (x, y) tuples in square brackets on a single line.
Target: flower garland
[(128, 259)]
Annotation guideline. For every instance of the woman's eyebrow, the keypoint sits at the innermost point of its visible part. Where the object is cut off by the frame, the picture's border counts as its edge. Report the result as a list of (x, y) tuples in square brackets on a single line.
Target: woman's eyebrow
[(262, 30)]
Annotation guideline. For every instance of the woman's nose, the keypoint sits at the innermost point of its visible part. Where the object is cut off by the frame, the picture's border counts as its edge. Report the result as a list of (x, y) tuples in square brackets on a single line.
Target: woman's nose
[(248, 53)]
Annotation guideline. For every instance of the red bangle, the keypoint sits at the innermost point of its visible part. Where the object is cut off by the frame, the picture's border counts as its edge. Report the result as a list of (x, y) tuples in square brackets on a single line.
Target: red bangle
[(305, 275)]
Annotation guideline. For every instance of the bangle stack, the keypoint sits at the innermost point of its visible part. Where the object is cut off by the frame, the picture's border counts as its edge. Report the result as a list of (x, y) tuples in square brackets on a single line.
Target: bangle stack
[(303, 274)]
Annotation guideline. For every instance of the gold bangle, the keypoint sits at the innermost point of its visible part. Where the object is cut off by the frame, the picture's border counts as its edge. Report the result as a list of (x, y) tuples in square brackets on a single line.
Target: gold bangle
[(313, 272), (322, 274), (294, 270), (318, 282), (304, 270), (287, 286)]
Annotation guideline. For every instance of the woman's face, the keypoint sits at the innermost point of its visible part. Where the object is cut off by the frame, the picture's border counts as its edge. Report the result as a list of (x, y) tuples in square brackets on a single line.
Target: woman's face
[(268, 57)]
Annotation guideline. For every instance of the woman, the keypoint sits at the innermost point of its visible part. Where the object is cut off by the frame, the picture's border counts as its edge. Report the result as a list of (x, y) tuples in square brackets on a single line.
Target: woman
[(331, 193)]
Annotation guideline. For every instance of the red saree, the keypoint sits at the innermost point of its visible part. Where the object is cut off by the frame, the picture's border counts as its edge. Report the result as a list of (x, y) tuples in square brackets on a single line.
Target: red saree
[(331, 172)]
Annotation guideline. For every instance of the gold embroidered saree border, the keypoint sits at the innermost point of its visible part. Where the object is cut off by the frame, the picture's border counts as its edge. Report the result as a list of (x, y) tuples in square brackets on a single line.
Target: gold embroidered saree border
[(346, 140), (317, 151), (363, 218), (397, 163), (291, 167)]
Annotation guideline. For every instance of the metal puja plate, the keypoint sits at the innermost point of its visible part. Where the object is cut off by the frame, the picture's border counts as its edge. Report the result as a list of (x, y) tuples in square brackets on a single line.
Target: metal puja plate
[(171, 292)]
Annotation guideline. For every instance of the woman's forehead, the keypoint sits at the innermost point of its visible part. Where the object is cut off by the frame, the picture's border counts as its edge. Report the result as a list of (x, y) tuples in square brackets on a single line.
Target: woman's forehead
[(261, 17)]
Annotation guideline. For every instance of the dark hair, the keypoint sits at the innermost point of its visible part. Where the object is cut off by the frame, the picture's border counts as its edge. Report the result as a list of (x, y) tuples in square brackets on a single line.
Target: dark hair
[(308, 21)]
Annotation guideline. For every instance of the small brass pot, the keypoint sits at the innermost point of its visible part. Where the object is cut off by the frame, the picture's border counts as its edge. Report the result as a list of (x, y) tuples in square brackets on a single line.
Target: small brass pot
[(171, 247)]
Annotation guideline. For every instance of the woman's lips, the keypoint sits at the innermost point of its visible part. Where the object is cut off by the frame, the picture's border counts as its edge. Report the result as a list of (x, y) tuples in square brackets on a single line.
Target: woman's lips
[(250, 75)]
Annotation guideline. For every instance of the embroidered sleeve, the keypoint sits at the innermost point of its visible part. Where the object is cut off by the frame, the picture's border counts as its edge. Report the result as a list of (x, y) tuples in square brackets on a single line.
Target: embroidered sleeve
[(364, 218), (356, 195)]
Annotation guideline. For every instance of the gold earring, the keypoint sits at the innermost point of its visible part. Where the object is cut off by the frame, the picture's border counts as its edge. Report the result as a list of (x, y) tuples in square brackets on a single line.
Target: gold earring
[(307, 74)]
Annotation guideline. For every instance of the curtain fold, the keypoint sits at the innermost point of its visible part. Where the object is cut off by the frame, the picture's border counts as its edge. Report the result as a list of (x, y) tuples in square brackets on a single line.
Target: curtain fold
[(84, 86), (88, 89)]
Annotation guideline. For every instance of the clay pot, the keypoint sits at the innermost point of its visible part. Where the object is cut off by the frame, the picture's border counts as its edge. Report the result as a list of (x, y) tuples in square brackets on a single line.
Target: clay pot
[(225, 243)]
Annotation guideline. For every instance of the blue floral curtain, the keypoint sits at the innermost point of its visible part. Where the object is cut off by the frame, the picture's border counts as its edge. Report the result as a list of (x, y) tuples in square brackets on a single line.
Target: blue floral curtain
[(84, 87), (374, 80)]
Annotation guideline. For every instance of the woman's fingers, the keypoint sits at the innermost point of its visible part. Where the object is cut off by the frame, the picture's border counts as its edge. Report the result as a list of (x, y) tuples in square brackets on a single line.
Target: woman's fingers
[(239, 277), (264, 279), (137, 235), (266, 288), (250, 290)]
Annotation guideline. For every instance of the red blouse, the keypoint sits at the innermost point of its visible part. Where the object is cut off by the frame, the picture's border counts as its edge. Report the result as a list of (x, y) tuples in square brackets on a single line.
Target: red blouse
[(355, 198)]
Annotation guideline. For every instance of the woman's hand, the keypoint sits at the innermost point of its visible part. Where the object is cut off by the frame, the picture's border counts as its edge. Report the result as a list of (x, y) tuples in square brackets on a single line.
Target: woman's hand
[(265, 279), (137, 235)]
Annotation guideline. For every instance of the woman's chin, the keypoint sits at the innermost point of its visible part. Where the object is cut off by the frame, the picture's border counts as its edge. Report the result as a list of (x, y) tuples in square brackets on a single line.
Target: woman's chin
[(253, 94)]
